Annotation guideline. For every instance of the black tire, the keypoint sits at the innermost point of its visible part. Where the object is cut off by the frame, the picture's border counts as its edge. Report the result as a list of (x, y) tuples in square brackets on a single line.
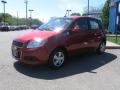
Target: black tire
[(55, 63), (101, 48)]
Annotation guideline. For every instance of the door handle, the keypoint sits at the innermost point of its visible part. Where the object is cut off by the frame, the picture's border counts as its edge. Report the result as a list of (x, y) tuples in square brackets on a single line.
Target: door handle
[(99, 37), (95, 34), (85, 43)]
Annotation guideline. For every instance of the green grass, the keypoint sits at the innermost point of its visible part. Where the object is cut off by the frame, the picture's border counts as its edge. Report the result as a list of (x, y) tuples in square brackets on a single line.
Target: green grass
[(113, 39)]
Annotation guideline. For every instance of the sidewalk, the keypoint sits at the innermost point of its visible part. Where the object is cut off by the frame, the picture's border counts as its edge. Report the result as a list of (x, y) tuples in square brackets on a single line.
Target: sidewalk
[(113, 35), (111, 45)]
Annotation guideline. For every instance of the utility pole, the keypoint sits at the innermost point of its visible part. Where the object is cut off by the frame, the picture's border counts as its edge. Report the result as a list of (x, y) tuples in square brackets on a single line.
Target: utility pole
[(17, 19), (30, 10), (26, 3), (88, 7), (67, 13), (4, 2)]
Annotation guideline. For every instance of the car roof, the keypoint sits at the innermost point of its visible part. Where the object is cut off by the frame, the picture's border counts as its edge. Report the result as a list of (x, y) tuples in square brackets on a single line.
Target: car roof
[(77, 17)]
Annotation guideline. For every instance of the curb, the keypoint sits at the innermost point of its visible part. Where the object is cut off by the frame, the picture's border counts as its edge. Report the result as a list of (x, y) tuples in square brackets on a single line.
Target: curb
[(113, 47)]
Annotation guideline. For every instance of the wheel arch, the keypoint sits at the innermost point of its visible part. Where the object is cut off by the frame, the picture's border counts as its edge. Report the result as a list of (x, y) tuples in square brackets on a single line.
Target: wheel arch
[(62, 48)]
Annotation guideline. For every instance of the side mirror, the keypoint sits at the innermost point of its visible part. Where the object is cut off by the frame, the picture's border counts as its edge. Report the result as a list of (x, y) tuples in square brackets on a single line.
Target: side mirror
[(76, 29)]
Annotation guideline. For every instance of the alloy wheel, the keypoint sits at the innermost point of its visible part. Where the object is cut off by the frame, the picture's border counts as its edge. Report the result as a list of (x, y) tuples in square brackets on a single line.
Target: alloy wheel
[(58, 59)]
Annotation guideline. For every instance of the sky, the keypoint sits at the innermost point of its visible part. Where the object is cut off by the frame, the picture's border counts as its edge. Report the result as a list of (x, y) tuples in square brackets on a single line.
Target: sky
[(44, 9)]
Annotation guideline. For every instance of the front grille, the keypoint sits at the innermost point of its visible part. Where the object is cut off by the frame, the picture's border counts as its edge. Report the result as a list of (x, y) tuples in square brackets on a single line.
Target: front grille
[(18, 44)]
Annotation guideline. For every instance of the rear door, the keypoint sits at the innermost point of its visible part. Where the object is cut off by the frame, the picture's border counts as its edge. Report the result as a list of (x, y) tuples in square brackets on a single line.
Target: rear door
[(96, 33)]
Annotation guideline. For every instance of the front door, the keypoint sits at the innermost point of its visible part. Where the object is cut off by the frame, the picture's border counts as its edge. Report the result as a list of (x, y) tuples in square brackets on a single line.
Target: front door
[(79, 41)]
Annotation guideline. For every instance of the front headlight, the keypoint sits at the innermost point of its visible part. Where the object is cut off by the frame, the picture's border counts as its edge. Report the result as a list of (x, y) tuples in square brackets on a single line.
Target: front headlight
[(37, 42)]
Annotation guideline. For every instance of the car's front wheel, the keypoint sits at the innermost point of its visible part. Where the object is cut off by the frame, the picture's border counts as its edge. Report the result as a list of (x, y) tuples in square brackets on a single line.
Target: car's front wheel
[(57, 58)]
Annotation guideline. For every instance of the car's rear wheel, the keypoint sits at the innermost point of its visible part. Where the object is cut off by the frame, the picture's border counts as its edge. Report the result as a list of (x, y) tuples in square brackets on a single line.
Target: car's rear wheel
[(101, 48), (57, 59)]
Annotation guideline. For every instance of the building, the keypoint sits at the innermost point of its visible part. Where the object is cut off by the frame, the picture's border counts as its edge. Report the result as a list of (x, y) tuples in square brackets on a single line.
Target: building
[(114, 16)]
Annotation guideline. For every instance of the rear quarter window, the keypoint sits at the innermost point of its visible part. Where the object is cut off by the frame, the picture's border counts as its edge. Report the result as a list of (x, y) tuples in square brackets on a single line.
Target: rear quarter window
[(94, 25)]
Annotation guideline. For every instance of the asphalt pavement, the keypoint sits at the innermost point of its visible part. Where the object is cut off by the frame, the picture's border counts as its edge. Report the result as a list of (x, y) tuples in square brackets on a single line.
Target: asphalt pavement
[(83, 72)]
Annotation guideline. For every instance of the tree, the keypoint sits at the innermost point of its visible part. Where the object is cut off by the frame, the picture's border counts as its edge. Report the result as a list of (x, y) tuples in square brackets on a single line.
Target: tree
[(75, 14), (36, 21), (9, 19), (1, 17), (105, 14)]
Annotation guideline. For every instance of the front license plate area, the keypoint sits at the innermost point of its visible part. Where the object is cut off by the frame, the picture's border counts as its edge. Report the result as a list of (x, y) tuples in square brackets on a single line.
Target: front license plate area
[(15, 52)]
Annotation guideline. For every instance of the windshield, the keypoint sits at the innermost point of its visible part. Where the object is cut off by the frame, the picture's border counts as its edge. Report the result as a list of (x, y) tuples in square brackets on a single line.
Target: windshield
[(56, 24)]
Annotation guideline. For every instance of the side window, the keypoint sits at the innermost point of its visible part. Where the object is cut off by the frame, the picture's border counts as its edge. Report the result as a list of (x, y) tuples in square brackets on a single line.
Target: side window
[(82, 24), (94, 25)]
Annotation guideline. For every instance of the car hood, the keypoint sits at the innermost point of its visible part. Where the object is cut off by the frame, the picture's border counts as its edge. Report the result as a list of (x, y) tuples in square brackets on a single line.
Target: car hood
[(25, 37)]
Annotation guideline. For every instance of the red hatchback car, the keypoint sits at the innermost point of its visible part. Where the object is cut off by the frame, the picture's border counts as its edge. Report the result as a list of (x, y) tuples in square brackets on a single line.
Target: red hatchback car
[(58, 39)]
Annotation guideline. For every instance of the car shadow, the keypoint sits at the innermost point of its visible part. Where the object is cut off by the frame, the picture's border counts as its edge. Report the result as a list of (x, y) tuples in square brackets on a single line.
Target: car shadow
[(76, 65)]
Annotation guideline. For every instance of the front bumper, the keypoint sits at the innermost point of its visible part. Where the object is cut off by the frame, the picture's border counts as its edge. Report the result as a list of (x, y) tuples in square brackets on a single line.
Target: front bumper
[(31, 56)]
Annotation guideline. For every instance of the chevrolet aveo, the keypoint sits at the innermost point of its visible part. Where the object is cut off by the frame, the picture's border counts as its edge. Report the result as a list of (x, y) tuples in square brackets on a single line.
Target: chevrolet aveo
[(58, 39)]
